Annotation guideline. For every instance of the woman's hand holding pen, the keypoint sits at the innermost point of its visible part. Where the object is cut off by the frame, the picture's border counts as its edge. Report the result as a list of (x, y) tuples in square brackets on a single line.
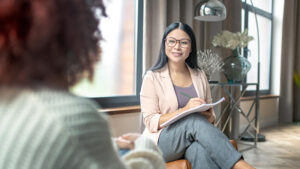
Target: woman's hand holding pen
[(194, 102)]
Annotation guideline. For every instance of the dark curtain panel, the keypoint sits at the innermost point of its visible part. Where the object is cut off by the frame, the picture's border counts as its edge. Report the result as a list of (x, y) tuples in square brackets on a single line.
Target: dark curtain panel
[(289, 103)]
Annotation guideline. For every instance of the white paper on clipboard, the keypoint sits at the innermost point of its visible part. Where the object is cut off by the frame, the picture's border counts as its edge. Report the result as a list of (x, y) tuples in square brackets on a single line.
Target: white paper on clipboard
[(201, 108)]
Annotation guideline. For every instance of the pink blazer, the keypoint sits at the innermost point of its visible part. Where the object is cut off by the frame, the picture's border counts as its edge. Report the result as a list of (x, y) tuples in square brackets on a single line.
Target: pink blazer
[(158, 97)]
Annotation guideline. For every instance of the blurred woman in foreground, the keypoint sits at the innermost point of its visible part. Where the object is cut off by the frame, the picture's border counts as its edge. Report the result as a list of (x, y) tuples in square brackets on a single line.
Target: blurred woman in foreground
[(46, 46)]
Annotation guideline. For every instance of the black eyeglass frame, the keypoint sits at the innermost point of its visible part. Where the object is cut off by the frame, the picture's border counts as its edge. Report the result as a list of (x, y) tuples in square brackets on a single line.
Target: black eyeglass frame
[(176, 42)]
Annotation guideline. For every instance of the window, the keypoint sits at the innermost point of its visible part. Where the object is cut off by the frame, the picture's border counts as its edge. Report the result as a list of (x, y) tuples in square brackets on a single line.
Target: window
[(264, 10), (117, 78)]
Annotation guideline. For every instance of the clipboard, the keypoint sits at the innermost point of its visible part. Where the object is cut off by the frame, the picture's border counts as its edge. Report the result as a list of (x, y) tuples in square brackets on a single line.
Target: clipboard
[(201, 108)]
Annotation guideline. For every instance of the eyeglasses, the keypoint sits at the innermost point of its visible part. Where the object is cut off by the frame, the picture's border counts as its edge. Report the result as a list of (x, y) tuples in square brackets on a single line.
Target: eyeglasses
[(171, 42)]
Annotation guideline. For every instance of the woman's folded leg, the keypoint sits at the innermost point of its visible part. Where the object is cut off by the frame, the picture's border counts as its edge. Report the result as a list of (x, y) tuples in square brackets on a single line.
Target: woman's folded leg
[(176, 139), (199, 158)]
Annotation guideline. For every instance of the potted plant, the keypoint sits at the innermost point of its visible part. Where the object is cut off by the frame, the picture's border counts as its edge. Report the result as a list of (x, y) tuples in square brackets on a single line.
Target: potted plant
[(235, 66)]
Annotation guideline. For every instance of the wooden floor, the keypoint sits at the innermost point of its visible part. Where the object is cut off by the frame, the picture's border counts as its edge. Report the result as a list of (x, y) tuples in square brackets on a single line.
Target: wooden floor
[(281, 150)]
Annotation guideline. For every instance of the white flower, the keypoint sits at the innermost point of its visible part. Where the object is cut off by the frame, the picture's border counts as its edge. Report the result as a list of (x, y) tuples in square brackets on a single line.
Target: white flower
[(231, 40)]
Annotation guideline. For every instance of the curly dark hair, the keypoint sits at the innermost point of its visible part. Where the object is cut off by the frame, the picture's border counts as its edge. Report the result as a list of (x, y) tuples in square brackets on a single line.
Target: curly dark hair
[(48, 42)]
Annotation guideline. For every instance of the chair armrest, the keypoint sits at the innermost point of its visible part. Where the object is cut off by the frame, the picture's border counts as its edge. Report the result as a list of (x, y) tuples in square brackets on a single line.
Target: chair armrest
[(178, 164), (234, 144)]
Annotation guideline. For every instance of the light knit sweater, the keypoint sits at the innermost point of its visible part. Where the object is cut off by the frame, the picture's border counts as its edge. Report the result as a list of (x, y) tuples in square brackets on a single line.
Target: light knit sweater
[(52, 129)]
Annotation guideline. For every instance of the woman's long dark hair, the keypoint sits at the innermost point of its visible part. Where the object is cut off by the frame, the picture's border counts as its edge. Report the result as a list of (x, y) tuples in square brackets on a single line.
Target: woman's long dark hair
[(163, 59)]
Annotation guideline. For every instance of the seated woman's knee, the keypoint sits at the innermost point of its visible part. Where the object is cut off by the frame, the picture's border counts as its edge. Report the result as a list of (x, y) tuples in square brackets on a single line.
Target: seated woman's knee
[(193, 120)]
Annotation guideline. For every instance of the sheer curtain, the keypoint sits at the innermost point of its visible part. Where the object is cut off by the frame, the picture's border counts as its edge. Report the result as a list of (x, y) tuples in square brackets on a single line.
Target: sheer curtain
[(289, 107)]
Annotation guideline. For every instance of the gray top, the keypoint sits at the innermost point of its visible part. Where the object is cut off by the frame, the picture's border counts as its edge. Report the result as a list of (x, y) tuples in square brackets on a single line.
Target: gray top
[(184, 94), (52, 129)]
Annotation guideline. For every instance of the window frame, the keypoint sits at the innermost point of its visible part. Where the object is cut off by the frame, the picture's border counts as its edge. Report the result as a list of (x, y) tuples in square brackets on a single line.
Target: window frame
[(248, 8), (129, 100)]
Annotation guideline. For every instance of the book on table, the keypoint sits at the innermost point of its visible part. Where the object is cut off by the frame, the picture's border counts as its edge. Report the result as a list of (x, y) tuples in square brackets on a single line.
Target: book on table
[(201, 108)]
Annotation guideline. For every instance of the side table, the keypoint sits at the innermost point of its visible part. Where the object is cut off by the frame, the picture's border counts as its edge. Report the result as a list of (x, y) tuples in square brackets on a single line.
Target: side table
[(232, 104)]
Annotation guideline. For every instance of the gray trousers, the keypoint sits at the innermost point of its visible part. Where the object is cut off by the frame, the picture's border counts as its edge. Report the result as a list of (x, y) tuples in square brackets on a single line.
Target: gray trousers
[(198, 141)]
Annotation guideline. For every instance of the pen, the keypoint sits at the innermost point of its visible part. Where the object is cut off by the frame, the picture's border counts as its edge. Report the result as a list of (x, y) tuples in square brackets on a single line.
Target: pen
[(186, 95)]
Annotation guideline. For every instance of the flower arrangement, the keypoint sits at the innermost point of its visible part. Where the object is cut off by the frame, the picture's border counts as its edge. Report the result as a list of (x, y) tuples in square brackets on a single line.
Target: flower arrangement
[(231, 40), (209, 62)]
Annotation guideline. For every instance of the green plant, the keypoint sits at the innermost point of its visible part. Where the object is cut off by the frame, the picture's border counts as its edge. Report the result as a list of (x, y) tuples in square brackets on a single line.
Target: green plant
[(297, 79)]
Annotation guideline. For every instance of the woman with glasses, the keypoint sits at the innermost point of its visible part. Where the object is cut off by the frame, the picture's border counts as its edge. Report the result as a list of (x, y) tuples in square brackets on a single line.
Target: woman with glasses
[(173, 85)]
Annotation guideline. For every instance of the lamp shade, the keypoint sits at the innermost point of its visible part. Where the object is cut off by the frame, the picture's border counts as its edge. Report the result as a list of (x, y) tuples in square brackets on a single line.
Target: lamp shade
[(211, 11)]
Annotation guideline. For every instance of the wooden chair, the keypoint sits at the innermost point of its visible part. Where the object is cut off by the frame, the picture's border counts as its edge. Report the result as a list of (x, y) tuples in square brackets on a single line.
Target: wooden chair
[(178, 164)]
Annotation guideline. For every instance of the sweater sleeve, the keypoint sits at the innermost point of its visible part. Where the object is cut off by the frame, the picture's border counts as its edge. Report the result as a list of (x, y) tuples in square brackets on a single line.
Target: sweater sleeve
[(96, 150), (90, 140), (53, 129), (146, 155)]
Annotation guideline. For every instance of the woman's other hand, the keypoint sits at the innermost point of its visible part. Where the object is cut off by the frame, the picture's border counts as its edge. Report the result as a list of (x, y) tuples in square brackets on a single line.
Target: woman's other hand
[(208, 114), (126, 141), (131, 136)]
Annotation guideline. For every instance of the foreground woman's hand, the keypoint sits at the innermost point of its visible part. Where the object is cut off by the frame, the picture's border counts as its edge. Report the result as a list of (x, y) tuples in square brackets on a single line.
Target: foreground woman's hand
[(126, 141)]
